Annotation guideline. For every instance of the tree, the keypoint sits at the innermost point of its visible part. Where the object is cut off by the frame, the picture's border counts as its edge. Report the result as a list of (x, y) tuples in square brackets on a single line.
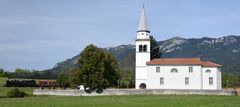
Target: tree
[(3, 73), (63, 79), (110, 69), (230, 80), (75, 77), (155, 50), (97, 69), (126, 79)]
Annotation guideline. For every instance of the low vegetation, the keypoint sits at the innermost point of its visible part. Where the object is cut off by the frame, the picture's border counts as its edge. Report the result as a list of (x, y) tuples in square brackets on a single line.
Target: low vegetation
[(15, 93), (5, 90)]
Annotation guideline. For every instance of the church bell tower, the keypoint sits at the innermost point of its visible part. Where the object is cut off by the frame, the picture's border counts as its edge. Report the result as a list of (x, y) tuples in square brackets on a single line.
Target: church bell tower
[(142, 52)]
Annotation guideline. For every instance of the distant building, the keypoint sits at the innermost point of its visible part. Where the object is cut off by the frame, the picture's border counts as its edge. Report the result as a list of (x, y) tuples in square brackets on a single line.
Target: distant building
[(171, 73), (47, 83)]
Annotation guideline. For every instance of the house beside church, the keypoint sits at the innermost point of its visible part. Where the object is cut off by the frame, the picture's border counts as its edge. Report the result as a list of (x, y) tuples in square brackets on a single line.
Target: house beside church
[(171, 73)]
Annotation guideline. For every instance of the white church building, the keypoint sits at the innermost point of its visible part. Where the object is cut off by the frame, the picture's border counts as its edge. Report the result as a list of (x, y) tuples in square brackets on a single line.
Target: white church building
[(171, 73)]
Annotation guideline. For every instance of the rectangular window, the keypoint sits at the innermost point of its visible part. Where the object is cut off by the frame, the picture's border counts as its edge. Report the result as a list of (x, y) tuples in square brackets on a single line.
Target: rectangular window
[(157, 69), (190, 69), (186, 80), (210, 80), (161, 81)]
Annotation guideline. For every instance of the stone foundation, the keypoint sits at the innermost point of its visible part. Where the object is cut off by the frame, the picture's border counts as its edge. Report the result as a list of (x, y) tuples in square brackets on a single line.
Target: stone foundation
[(133, 92)]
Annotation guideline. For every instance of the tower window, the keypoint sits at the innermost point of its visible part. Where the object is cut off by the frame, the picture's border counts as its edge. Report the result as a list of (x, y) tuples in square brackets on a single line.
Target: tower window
[(140, 48), (145, 48)]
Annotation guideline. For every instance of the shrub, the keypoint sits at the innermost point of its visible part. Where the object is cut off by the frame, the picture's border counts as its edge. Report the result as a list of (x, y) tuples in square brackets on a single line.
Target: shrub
[(15, 93)]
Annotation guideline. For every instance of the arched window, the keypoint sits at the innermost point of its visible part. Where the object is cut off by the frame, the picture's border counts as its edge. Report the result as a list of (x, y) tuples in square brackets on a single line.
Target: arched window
[(174, 70), (208, 71), (142, 86), (145, 48), (140, 48)]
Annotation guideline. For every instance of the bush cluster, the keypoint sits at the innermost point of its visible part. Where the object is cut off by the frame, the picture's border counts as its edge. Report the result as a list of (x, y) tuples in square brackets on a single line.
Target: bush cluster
[(15, 93)]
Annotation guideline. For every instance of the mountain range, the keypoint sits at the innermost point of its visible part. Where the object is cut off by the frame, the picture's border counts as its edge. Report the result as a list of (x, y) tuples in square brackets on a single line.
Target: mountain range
[(223, 50)]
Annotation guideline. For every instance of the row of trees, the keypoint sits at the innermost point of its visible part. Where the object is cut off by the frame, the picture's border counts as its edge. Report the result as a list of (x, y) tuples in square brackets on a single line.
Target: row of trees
[(4, 73), (28, 74), (230, 80), (20, 83)]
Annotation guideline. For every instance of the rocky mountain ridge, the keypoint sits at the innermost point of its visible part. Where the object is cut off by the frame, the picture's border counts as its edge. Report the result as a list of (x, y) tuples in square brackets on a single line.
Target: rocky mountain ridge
[(223, 50)]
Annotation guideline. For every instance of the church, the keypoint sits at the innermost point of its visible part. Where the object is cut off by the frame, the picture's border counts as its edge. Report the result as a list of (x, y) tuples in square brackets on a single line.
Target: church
[(171, 73)]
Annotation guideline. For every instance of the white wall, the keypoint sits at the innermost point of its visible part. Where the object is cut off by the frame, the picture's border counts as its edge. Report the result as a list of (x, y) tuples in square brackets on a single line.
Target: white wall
[(138, 82), (219, 78), (141, 73), (174, 80), (198, 79), (143, 35), (141, 59), (141, 68), (216, 74)]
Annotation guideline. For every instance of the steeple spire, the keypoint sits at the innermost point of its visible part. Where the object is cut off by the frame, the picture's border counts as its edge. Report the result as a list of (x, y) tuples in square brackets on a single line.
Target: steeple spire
[(143, 26)]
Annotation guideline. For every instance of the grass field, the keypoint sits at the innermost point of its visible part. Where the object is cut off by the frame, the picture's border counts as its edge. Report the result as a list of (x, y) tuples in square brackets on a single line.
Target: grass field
[(123, 101), (2, 81), (4, 90)]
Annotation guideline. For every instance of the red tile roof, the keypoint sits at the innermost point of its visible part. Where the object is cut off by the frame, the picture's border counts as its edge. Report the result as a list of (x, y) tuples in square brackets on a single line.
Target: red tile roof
[(182, 61), (210, 64)]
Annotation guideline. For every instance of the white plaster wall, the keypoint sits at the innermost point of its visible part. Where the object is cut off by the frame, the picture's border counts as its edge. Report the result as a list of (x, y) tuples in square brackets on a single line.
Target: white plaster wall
[(216, 74), (139, 81), (219, 78), (174, 80), (142, 58), (133, 92), (141, 67), (141, 72)]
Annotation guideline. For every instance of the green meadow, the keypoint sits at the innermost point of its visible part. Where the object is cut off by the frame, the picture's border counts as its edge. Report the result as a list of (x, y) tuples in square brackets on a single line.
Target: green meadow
[(2, 81), (123, 101), (4, 90)]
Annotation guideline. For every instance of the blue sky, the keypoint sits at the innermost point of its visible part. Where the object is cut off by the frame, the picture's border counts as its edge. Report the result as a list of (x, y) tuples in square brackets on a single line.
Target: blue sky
[(36, 34)]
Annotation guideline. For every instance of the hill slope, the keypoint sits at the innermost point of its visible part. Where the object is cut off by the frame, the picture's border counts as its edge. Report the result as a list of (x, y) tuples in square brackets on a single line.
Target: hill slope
[(223, 50)]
